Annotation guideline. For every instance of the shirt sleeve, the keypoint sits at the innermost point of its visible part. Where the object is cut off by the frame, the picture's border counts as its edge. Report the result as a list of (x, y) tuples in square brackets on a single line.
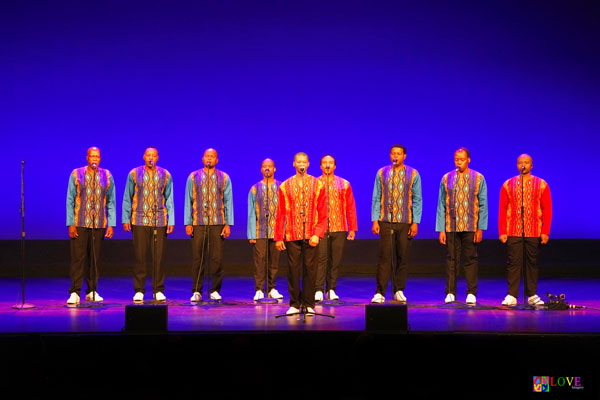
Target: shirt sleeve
[(351, 210), (188, 218), (321, 225), (376, 199), (71, 195), (169, 204), (280, 218), (482, 222), (251, 230), (127, 198), (502, 209), (417, 200), (440, 217), (546, 205), (228, 202), (111, 203)]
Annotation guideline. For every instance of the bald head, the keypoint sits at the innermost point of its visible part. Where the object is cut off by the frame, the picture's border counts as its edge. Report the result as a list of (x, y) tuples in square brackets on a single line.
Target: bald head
[(93, 157), (524, 164), (267, 168), (210, 158)]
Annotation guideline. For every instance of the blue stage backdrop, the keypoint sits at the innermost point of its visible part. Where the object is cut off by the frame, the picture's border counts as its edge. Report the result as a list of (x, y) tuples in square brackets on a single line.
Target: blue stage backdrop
[(257, 79)]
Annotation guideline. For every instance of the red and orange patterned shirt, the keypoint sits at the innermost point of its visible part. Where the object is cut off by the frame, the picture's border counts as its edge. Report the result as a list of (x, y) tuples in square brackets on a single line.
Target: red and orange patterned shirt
[(537, 206)]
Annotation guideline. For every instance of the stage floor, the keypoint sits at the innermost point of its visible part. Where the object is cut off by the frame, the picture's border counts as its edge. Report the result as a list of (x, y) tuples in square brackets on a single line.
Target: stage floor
[(426, 309)]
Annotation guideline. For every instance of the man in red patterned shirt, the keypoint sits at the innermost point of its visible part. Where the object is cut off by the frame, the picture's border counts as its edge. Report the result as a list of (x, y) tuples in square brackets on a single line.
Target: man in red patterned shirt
[(341, 225), (524, 220), (301, 221)]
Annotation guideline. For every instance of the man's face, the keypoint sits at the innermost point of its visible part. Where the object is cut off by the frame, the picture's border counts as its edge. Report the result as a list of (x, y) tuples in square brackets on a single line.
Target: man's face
[(210, 158), (524, 163), (328, 165), (150, 157), (93, 158), (461, 161), (397, 154), (267, 168), (301, 162)]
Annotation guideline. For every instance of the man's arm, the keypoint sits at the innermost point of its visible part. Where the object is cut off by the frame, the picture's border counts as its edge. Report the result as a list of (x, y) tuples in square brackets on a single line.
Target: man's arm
[(251, 226)]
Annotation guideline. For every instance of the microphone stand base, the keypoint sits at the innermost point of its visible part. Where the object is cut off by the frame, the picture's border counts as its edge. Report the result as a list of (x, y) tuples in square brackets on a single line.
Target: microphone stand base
[(267, 300), (24, 306)]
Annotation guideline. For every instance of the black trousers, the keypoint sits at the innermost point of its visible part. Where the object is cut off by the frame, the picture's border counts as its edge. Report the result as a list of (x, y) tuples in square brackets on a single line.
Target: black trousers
[(82, 259), (297, 270), (515, 262), (143, 246), (328, 277), (458, 243), (207, 250), (393, 238), (260, 264)]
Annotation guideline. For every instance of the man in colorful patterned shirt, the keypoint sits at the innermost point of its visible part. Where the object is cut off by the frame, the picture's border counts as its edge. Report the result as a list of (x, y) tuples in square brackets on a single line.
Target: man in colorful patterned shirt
[(462, 216), (90, 212), (149, 214), (341, 225), (301, 221), (262, 210), (395, 212), (208, 217), (529, 228)]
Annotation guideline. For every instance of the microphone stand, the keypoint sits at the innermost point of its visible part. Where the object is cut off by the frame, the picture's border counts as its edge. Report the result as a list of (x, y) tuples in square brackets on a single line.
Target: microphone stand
[(206, 240), (454, 235), (94, 261), (154, 234), (392, 247), (23, 305), (303, 307), (266, 299), (328, 250), (523, 275)]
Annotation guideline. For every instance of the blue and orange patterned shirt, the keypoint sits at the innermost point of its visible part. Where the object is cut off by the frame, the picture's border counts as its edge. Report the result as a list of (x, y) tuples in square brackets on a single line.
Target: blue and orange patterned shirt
[(397, 195), (208, 199), (91, 202), (148, 198), (262, 210), (462, 202)]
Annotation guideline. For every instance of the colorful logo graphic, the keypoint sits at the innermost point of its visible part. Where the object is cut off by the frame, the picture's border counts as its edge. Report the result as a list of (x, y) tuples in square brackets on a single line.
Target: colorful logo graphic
[(541, 383)]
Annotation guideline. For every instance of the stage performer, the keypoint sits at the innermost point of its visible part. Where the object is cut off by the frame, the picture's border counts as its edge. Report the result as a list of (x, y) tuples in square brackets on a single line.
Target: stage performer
[(462, 216), (262, 211), (149, 214), (534, 197), (341, 225), (208, 217), (301, 221), (395, 212), (90, 215)]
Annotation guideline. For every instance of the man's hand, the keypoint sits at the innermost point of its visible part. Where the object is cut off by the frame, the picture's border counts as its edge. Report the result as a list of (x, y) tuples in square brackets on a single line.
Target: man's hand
[(280, 245), (544, 238), (351, 235), (443, 238), (226, 231), (375, 227), (413, 230), (189, 230), (253, 241), (109, 232), (73, 232), (503, 238), (170, 228), (314, 241), (478, 236), (127, 227)]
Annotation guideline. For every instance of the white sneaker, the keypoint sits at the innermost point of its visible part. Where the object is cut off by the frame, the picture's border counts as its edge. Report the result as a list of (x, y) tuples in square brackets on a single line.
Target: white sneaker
[(93, 296), (399, 296), (535, 300), (292, 310), (471, 299), (159, 296), (259, 295), (215, 296), (274, 294), (378, 298), (318, 295), (450, 298), (310, 311), (509, 301), (333, 295), (73, 298), (196, 297), (138, 298)]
